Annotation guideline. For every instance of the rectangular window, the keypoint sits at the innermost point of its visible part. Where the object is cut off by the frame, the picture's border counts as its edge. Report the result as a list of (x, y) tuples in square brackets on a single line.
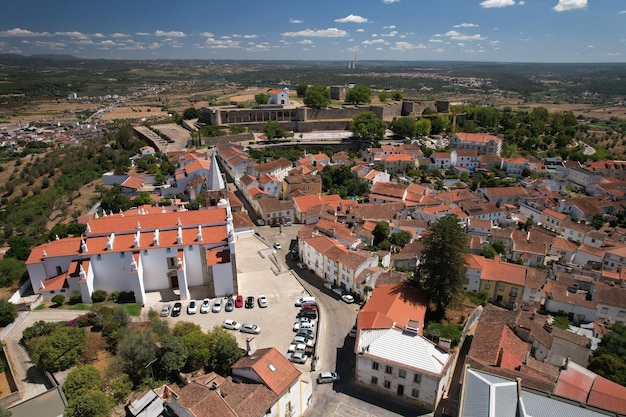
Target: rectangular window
[(604, 310), (374, 380), (513, 292), (388, 369), (387, 384), (487, 286), (415, 393), (402, 373), (621, 313), (417, 378), (375, 366), (122, 254), (500, 287)]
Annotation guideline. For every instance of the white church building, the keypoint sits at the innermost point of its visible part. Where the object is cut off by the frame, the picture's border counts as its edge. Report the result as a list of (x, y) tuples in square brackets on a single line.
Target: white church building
[(143, 250)]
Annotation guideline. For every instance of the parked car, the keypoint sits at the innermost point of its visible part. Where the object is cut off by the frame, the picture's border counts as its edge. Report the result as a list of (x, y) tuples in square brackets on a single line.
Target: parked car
[(176, 309), (192, 307), (231, 325), (309, 343), (249, 302), (230, 304), (297, 347), (262, 300), (205, 306), (250, 328), (297, 357), (260, 222), (304, 300), (303, 325), (338, 291), (308, 333), (308, 306), (217, 305), (301, 265), (312, 314), (328, 285), (277, 246), (327, 377), (239, 301), (165, 310), (347, 298)]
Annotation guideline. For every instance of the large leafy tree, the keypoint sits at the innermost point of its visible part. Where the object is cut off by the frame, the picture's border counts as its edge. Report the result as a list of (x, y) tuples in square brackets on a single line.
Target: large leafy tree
[(359, 94), (92, 403), (197, 344), (381, 232), (261, 98), (8, 313), (367, 126), (137, 349), (442, 267), (11, 270), (224, 351), (272, 130), (61, 349), (81, 379), (403, 127), (301, 89), (608, 359), (422, 127), (317, 96)]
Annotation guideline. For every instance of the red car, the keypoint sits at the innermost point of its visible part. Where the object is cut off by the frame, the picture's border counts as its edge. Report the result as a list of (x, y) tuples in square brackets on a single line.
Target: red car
[(239, 301)]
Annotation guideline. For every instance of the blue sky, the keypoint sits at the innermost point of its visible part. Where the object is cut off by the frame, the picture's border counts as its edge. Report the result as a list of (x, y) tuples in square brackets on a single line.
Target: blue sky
[(448, 30)]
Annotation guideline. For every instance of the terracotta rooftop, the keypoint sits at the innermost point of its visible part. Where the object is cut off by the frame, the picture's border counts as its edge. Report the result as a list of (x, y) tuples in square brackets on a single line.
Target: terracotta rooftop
[(272, 367), (396, 303)]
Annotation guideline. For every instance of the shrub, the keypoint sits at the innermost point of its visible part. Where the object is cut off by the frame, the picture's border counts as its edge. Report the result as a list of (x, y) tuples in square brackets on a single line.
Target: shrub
[(126, 297), (58, 299), (114, 296), (8, 313), (75, 297), (98, 296)]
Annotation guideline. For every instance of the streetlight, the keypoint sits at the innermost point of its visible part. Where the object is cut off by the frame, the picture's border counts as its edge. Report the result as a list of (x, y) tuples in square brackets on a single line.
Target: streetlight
[(150, 365)]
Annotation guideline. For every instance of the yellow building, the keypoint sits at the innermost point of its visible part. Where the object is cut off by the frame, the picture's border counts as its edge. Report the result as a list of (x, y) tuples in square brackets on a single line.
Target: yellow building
[(307, 183)]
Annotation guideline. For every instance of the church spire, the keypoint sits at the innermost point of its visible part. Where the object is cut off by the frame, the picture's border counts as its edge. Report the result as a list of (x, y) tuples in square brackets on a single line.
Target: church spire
[(215, 181)]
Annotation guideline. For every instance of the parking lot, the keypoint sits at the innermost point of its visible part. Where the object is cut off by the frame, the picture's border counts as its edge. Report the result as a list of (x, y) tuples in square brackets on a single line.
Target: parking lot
[(255, 278)]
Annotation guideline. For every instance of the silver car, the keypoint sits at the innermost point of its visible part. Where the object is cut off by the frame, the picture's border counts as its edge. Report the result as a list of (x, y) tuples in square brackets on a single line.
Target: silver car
[(250, 328)]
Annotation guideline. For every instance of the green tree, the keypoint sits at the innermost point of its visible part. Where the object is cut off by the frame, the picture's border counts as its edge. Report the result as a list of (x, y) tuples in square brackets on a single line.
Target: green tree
[(92, 403), (172, 355), (367, 126), (61, 349), (137, 349), (113, 200), (81, 379), (4, 412), (400, 238), (317, 96), (610, 366), (442, 267), (261, 98), (8, 313), (301, 90), (197, 344), (381, 232), (598, 221), (182, 328), (439, 125), (121, 387), (403, 127), (488, 252), (223, 350), (19, 247), (191, 113), (12, 270), (383, 96), (142, 198), (397, 95), (272, 130), (422, 127), (359, 94)]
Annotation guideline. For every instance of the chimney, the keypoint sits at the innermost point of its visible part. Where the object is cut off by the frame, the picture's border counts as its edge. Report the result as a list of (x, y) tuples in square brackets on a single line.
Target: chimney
[(199, 236), (83, 246), (111, 241), (137, 239), (179, 236), (250, 346), (155, 238)]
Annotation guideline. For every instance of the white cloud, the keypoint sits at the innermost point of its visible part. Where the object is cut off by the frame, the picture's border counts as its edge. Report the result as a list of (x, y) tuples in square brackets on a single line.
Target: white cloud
[(22, 33), (107, 43), (321, 33), (389, 27), (172, 34), (352, 19), (372, 42), (250, 36), (465, 25), (154, 45), (221, 43), (142, 33), (119, 35), (76, 35), (51, 45), (305, 42), (390, 34), (360, 30), (391, 1), (295, 21), (457, 36), (207, 35), (406, 46), (490, 4), (565, 5)]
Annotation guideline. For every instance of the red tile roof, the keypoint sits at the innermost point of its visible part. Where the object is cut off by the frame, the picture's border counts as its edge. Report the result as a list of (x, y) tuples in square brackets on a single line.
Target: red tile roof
[(397, 303), (272, 367)]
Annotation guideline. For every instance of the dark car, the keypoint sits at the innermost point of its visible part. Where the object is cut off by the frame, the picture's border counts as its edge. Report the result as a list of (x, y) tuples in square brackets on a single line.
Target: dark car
[(312, 314), (249, 302), (176, 309), (230, 304)]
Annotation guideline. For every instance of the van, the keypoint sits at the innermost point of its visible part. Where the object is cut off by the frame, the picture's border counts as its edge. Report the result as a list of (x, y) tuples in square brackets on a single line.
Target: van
[(305, 300)]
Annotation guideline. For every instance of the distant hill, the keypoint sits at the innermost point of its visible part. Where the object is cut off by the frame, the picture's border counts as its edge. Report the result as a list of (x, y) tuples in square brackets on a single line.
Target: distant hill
[(39, 57)]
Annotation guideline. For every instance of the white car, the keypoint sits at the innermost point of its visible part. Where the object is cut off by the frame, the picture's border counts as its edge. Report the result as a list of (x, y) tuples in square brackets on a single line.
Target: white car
[(205, 306), (327, 377), (297, 347), (303, 325), (347, 298), (192, 307), (250, 328), (301, 339), (217, 305), (231, 325), (297, 357), (262, 300), (277, 246)]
